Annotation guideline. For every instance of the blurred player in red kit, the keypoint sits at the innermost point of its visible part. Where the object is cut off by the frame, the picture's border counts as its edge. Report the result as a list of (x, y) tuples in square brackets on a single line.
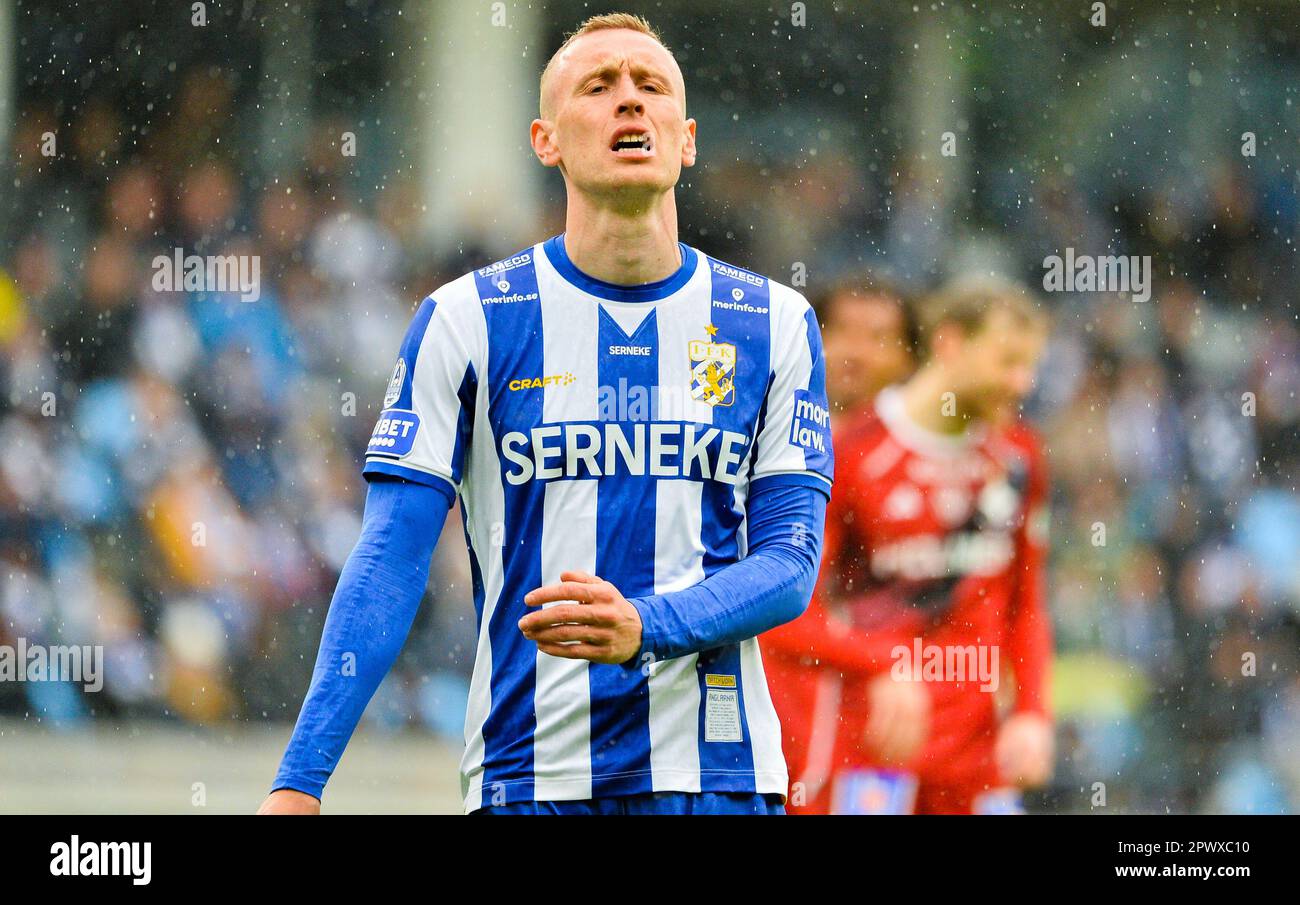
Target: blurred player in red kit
[(893, 687)]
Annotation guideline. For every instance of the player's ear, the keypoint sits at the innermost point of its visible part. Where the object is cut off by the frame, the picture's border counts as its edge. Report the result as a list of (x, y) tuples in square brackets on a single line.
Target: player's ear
[(540, 134), (688, 146)]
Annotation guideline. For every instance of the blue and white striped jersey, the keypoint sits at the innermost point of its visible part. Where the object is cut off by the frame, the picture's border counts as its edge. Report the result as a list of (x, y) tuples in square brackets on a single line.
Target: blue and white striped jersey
[(615, 430)]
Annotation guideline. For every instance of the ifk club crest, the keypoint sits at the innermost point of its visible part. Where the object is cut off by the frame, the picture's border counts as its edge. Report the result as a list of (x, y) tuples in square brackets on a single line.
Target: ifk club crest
[(713, 370)]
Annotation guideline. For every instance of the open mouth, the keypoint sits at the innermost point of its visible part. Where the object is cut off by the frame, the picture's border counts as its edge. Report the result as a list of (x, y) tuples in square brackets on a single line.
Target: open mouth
[(633, 144)]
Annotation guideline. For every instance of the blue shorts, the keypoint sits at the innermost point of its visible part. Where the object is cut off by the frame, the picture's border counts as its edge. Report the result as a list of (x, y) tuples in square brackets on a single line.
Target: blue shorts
[(708, 803)]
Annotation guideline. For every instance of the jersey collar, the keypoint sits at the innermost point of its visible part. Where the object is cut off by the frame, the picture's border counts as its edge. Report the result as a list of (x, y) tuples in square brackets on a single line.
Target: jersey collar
[(644, 292), (890, 408)]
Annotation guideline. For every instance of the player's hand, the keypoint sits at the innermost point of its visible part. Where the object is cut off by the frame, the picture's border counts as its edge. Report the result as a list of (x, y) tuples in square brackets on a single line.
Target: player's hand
[(289, 801), (898, 720), (1025, 750), (595, 619)]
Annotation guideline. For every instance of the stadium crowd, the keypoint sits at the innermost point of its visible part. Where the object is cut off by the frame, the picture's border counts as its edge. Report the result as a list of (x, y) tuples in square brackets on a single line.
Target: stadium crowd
[(180, 471)]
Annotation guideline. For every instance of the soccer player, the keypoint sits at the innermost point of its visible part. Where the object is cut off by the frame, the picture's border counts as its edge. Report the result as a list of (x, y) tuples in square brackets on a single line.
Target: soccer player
[(932, 585), (640, 441)]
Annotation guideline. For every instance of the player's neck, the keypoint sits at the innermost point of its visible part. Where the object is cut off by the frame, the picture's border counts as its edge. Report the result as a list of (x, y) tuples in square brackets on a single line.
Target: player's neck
[(625, 247), (930, 403)]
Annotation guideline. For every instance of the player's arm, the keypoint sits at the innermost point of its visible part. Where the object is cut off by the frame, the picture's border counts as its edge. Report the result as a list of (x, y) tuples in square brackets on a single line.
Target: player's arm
[(414, 463), (1029, 642), (1025, 739), (375, 602)]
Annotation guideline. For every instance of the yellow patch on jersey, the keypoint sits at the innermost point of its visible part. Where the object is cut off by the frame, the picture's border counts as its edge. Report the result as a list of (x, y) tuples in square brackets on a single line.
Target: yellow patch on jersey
[(537, 383), (713, 370)]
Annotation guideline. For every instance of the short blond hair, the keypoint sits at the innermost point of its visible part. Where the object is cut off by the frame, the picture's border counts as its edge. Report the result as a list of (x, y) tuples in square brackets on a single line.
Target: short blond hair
[(597, 23), (967, 303)]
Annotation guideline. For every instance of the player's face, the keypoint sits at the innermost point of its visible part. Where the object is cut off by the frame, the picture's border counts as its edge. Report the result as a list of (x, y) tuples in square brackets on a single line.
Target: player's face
[(865, 348), (999, 362), (618, 103)]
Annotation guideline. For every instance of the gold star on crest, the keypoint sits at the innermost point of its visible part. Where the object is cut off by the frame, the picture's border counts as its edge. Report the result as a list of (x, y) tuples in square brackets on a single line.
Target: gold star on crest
[(711, 330)]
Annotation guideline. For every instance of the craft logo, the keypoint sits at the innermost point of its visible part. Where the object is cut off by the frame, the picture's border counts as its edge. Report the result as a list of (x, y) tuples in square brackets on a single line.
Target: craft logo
[(538, 383)]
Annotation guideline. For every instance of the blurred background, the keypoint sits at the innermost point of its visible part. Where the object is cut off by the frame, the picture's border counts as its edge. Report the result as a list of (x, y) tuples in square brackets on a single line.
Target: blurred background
[(368, 151)]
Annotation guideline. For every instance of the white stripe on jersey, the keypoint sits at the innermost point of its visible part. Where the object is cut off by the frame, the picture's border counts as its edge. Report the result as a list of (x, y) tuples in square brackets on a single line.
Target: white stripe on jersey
[(674, 685), (441, 362), (789, 344), (562, 698), (764, 725), (562, 744), (483, 502)]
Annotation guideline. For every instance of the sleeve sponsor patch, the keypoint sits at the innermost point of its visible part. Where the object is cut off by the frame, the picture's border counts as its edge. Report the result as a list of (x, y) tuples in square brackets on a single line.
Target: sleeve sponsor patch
[(810, 427), (394, 433), (395, 383)]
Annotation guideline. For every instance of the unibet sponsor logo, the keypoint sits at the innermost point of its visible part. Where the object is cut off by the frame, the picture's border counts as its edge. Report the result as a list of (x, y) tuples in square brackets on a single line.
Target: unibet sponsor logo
[(661, 449), (394, 433), (537, 383)]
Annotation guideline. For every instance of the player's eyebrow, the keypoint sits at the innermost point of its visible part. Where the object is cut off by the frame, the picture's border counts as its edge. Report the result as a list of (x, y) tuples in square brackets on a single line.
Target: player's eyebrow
[(609, 70)]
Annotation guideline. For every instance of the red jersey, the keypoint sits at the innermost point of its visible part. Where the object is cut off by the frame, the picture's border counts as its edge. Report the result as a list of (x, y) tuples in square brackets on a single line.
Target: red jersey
[(934, 545)]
